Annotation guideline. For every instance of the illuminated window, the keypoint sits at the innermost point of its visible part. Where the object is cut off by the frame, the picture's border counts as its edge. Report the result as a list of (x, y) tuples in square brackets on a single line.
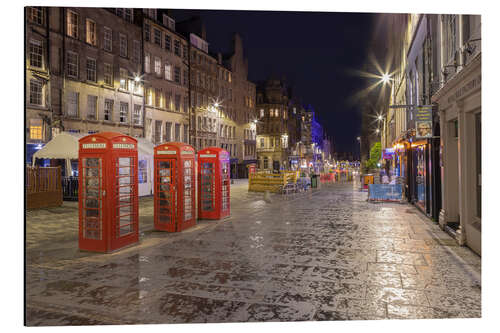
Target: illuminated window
[(157, 66), (36, 90), (36, 53), (123, 79), (261, 142), (91, 32), (108, 39), (72, 24), (150, 96), (261, 113), (36, 129), (168, 72)]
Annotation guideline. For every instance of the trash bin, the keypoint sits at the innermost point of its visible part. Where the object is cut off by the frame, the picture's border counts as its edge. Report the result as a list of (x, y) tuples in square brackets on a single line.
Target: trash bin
[(314, 181)]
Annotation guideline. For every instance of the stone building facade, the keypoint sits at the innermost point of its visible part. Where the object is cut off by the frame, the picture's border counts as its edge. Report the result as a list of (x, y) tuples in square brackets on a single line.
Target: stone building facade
[(165, 77), (272, 127), (81, 65), (242, 109), (38, 101)]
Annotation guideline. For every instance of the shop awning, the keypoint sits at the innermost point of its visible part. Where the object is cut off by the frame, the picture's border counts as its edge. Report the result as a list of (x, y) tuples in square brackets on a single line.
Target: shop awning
[(65, 146)]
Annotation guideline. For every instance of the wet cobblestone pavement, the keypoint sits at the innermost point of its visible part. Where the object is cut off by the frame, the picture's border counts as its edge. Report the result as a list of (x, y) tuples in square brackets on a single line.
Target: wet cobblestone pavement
[(326, 255)]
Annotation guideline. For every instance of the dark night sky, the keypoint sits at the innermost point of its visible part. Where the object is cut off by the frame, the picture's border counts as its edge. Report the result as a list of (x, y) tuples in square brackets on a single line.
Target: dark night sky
[(315, 52)]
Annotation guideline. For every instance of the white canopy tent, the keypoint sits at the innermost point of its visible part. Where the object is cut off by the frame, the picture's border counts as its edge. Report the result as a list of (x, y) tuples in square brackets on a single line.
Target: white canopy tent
[(65, 146)]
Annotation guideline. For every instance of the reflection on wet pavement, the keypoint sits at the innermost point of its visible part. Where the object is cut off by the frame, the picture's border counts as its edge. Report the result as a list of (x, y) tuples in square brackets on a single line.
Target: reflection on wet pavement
[(327, 255)]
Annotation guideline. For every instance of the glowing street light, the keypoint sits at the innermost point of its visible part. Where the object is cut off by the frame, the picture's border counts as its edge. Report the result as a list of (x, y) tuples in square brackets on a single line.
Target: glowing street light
[(385, 78), (379, 117), (377, 131)]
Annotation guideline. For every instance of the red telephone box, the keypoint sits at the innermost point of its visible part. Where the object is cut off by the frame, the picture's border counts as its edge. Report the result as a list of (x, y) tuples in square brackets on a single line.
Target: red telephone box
[(107, 193), (174, 187), (252, 168), (213, 183)]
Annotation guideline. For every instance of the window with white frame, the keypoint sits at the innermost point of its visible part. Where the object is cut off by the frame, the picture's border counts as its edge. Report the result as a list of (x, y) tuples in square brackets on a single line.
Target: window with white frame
[(72, 68), (177, 132), (108, 74), (108, 39), (147, 63), (108, 109), (128, 15), (136, 51), (36, 53), (168, 132), (168, 42), (72, 104), (123, 46), (137, 114), (177, 47), (177, 73), (157, 66), (123, 79), (177, 103), (186, 132), (36, 15), (91, 107), (157, 36), (72, 24), (123, 112), (91, 32), (36, 92), (147, 32), (91, 70), (150, 96)]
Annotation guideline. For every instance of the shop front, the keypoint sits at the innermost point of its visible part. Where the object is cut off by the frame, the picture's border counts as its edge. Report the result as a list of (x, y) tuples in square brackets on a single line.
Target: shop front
[(459, 103)]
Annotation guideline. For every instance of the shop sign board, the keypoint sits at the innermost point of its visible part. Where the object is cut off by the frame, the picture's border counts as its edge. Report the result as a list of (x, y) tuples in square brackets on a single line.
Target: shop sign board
[(423, 122), (388, 153)]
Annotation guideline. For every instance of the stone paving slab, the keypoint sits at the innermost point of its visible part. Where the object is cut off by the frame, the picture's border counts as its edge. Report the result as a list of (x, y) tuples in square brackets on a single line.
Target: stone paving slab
[(325, 255)]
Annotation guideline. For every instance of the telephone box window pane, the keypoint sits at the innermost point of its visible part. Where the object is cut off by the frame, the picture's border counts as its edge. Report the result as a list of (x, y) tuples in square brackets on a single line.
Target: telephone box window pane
[(188, 177), (225, 186), (92, 201), (125, 172), (166, 196), (207, 186)]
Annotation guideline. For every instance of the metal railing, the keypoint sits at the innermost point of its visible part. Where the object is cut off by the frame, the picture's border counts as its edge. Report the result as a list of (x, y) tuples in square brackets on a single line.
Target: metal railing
[(70, 188)]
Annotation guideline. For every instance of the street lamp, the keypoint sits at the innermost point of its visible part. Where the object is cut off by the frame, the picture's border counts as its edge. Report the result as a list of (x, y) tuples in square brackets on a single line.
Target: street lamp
[(385, 78)]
